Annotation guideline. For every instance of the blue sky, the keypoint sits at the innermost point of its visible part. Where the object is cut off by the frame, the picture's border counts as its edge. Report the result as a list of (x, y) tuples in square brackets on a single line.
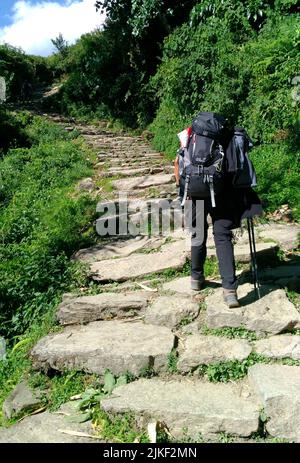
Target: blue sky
[(6, 10), (5, 7), (31, 24)]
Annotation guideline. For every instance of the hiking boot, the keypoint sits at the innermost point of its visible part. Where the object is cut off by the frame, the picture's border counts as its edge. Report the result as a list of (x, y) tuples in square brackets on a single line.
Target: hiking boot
[(197, 285), (230, 298)]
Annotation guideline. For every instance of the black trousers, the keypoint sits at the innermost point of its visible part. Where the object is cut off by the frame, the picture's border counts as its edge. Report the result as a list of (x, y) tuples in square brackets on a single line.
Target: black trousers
[(223, 222)]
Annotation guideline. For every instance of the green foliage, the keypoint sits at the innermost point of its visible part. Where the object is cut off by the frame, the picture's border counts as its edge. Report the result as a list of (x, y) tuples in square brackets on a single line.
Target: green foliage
[(147, 62), (147, 372), (60, 44), (279, 185), (186, 321), (119, 428), (247, 76), (230, 333), (22, 72), (172, 361), (225, 438), (12, 131), (17, 363), (232, 370), (42, 223)]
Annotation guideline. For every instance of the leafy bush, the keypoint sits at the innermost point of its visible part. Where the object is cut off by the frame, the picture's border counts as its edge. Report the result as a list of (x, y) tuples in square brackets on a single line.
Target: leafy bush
[(248, 76), (279, 184), (19, 69), (42, 223), (12, 133)]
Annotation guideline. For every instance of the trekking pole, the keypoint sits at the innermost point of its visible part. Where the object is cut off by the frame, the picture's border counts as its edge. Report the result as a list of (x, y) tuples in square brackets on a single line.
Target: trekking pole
[(253, 256), (255, 260)]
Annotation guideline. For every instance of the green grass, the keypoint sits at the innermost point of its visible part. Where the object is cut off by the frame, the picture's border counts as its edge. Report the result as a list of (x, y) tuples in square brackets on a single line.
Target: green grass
[(119, 428), (230, 333), (232, 370), (210, 269), (172, 361), (105, 184), (17, 364), (235, 370), (43, 220), (186, 321)]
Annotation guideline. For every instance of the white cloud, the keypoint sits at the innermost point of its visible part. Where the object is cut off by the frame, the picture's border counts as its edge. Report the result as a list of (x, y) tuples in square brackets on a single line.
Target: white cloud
[(34, 25)]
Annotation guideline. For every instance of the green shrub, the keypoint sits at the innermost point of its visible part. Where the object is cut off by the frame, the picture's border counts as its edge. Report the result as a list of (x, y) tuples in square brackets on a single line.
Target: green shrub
[(42, 223), (277, 167), (245, 75)]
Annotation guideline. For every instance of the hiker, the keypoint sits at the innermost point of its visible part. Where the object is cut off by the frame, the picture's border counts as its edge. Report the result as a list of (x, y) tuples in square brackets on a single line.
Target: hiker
[(228, 199)]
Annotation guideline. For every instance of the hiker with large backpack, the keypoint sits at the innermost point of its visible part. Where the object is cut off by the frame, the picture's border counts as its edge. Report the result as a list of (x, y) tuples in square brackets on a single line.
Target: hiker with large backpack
[(212, 165)]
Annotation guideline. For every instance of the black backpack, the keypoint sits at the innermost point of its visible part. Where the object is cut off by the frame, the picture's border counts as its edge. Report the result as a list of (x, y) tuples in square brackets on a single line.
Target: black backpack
[(203, 157), (237, 159)]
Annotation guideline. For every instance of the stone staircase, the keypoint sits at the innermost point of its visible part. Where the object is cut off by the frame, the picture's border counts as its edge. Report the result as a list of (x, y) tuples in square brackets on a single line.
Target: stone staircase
[(145, 314)]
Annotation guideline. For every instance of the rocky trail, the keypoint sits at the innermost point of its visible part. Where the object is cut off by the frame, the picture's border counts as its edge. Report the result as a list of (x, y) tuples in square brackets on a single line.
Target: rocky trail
[(146, 319)]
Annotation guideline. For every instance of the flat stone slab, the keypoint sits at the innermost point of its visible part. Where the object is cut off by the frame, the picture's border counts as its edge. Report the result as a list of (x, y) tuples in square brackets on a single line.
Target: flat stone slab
[(143, 182), (104, 306), (273, 313), (86, 184), (126, 172), (180, 285), (199, 349), (117, 248), (286, 235), (242, 251), (191, 405), (171, 255), (171, 310), (114, 345), (47, 428), (278, 387), (21, 399), (278, 347)]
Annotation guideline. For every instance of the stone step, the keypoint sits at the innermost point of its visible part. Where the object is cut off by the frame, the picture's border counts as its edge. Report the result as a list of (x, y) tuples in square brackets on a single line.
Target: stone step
[(171, 310), (264, 252), (279, 347), (104, 306), (143, 182), (134, 163), (171, 256), (109, 153), (50, 428), (198, 349), (188, 407), (118, 248), (132, 171), (115, 345), (278, 387), (129, 172), (287, 235), (273, 313)]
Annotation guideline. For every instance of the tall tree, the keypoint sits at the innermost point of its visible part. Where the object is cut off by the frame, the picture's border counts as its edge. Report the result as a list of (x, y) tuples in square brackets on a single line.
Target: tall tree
[(60, 44)]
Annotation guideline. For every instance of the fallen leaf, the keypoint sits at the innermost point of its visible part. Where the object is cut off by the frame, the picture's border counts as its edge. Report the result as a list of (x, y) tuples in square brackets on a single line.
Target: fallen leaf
[(39, 410), (75, 397), (77, 434), (146, 288)]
